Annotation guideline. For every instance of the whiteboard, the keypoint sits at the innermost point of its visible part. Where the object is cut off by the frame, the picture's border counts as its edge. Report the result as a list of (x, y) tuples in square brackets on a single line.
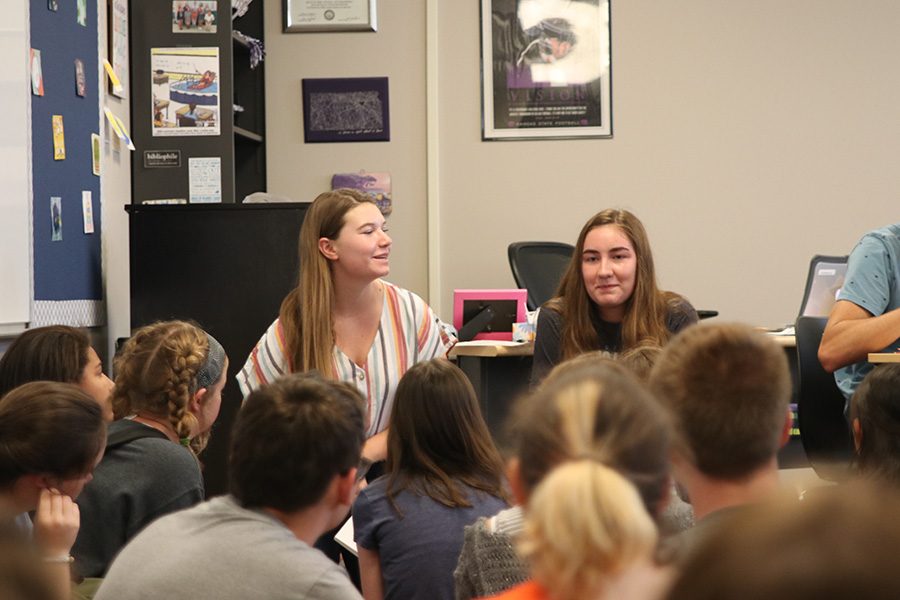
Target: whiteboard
[(15, 217)]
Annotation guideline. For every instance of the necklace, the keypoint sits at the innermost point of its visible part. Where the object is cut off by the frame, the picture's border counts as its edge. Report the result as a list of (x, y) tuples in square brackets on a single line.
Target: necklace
[(165, 428)]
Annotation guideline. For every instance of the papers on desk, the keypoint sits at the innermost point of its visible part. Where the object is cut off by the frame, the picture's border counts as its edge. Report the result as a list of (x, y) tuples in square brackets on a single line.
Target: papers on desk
[(490, 343), (789, 330), (344, 537)]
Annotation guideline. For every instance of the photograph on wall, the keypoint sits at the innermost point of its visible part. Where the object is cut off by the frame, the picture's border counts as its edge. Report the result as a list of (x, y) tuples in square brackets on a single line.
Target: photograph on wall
[(346, 110), (376, 185), (546, 70), (194, 16), (79, 77), (37, 73), (185, 91), (118, 46)]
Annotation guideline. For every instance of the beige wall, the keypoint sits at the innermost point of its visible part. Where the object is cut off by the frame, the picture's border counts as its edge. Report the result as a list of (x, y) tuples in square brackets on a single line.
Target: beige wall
[(301, 171), (748, 136)]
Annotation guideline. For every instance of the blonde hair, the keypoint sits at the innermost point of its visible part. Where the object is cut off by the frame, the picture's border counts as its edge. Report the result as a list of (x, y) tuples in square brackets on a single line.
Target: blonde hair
[(597, 410), (156, 372), (584, 523), (306, 313)]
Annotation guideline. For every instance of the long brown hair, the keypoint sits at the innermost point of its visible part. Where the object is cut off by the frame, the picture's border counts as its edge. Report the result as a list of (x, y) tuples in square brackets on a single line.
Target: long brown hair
[(306, 313), (438, 439), (645, 310), (52, 353)]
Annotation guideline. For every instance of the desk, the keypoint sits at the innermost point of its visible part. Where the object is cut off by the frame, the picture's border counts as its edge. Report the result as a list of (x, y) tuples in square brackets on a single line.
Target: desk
[(879, 358), (499, 373)]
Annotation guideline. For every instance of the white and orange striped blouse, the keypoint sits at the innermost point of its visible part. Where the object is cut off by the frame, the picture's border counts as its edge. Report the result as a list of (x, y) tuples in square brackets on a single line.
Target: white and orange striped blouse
[(409, 332)]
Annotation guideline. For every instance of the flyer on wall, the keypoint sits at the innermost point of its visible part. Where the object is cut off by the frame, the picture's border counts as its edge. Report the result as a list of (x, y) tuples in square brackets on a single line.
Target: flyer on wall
[(546, 69), (185, 91)]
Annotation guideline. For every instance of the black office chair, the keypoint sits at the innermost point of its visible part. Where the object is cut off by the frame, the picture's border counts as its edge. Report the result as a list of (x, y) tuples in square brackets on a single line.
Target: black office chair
[(820, 407), (538, 267)]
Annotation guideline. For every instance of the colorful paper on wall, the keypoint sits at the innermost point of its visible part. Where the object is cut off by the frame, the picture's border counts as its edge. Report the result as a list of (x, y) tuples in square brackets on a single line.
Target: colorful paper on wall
[(376, 185), (81, 12), (59, 138), (95, 154), (79, 77), (37, 75), (119, 128), (55, 219), (113, 78), (87, 211), (205, 179), (184, 84)]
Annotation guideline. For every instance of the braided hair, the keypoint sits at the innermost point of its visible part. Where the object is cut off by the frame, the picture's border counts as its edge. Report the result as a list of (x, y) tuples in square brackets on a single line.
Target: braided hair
[(157, 372)]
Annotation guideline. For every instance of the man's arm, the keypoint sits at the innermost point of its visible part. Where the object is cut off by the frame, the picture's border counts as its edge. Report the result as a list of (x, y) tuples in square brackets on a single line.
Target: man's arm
[(852, 332)]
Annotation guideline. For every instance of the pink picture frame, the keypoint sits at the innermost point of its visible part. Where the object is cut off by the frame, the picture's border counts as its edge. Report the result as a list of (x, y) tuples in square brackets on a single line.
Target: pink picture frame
[(508, 304)]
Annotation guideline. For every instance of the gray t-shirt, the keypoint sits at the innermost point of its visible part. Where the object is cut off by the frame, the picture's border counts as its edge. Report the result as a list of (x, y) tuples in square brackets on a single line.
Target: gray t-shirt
[(418, 551), (219, 550)]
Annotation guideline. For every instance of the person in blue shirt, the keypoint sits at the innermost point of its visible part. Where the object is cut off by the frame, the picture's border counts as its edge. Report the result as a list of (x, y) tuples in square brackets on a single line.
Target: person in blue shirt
[(866, 316)]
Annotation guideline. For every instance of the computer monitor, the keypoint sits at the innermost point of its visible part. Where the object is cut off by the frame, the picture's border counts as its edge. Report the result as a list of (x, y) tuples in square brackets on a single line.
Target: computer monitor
[(493, 311), (826, 276)]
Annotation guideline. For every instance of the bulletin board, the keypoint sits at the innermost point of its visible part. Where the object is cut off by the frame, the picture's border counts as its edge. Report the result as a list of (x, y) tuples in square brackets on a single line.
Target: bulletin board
[(68, 284)]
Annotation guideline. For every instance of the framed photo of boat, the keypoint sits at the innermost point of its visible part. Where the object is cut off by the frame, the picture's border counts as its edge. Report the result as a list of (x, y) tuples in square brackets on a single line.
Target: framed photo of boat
[(185, 91)]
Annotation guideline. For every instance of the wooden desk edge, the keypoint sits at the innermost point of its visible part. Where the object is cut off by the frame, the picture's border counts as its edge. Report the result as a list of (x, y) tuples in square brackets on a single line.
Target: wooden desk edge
[(884, 357), (491, 351)]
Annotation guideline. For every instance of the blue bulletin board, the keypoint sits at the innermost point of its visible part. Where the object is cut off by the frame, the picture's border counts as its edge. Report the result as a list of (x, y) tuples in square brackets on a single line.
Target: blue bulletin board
[(68, 285)]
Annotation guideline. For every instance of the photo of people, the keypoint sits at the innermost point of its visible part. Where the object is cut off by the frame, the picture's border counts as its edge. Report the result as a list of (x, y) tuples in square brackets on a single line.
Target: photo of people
[(194, 16), (185, 90)]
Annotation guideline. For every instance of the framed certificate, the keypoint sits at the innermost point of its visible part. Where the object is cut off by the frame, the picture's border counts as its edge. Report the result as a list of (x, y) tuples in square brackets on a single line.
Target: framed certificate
[(301, 16)]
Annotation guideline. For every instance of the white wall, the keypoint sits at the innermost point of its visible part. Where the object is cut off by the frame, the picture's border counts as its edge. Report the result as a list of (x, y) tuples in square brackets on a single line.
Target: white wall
[(748, 136), (302, 171), (115, 194)]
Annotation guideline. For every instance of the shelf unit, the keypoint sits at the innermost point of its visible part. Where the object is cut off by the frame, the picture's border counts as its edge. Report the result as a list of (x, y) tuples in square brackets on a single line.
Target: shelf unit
[(250, 93)]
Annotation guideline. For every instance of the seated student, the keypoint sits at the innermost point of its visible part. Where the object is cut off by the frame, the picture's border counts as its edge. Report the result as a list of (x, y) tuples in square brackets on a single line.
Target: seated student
[(592, 408), (52, 438), (875, 415), (443, 472), (608, 298), (866, 316), (169, 380), (587, 534), (56, 353), (727, 387), (840, 543), (292, 467)]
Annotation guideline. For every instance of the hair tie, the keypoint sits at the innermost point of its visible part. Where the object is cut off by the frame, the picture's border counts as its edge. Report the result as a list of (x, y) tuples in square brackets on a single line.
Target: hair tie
[(185, 441), (211, 369)]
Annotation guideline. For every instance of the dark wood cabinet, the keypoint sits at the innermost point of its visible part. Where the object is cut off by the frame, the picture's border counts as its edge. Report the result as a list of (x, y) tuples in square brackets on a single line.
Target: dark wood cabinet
[(225, 266)]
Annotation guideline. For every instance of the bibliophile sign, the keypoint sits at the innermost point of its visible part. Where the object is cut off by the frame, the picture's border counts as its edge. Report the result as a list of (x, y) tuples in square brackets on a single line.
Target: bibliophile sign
[(161, 159)]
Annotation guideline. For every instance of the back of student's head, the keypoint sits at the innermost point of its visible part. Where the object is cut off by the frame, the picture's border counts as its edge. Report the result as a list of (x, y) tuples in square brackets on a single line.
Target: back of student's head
[(839, 542), (438, 437), (640, 359), (728, 388), (53, 353), (161, 367), (876, 406), (49, 428), (585, 523), (291, 438), (599, 411)]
